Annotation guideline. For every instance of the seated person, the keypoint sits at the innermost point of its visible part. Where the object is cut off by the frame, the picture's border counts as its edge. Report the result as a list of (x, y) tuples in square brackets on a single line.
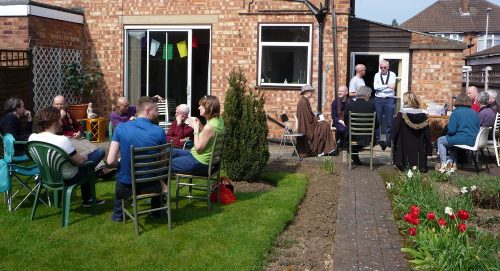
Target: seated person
[(72, 129), (124, 112), (463, 128), (487, 116), (16, 121), (360, 105), (410, 135), (124, 136), (180, 131), (316, 131), (195, 161), (48, 123), (338, 109), (492, 102)]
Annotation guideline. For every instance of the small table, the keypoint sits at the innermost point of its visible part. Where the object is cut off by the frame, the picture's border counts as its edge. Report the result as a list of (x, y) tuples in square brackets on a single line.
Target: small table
[(97, 129), (436, 125)]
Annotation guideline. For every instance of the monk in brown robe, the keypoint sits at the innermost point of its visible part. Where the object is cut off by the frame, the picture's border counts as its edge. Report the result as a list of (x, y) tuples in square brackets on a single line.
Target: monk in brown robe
[(318, 139)]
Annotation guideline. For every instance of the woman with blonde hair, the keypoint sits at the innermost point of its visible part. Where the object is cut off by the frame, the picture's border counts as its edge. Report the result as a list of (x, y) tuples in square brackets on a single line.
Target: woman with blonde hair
[(410, 135), (195, 161)]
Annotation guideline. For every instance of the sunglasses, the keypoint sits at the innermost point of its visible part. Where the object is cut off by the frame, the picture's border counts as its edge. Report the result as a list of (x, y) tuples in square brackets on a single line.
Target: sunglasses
[(383, 67)]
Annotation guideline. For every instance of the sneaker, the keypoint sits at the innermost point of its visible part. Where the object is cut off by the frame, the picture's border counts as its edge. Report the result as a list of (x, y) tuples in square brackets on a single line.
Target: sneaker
[(440, 167), (116, 219), (98, 202), (382, 145), (321, 154)]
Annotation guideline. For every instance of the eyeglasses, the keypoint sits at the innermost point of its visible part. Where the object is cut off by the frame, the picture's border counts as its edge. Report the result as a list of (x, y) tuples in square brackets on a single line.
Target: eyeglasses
[(384, 67)]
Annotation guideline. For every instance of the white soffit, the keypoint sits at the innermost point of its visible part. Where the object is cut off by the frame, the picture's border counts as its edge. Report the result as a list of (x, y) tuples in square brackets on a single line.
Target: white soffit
[(25, 10)]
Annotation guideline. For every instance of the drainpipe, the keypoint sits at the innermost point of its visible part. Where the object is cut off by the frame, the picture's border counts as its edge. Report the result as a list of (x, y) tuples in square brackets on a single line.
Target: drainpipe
[(335, 54)]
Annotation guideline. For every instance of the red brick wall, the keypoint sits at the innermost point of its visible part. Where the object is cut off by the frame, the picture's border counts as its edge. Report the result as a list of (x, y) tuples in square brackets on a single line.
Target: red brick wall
[(436, 74), (14, 33), (47, 32), (234, 42)]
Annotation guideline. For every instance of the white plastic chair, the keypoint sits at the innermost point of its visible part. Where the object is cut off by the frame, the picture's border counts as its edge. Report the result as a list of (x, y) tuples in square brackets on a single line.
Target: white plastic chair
[(480, 144), (163, 115), (494, 143)]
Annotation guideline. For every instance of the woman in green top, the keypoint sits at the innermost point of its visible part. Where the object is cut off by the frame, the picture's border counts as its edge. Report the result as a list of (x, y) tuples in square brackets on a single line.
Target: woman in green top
[(195, 161)]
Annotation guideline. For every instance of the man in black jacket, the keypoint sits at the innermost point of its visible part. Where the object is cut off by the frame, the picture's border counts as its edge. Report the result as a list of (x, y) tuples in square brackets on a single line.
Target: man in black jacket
[(360, 105)]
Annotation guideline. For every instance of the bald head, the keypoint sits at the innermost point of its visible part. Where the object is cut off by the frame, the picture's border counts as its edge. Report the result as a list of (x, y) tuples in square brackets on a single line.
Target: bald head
[(122, 105), (342, 92), (59, 102), (472, 93), (360, 70)]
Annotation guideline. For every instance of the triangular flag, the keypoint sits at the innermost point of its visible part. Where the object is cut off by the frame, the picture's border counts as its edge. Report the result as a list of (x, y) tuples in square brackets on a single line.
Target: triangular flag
[(195, 41), (182, 47), (164, 51), (170, 51)]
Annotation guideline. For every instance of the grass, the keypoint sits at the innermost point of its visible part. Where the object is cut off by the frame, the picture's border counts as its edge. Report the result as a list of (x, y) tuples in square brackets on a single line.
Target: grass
[(232, 237)]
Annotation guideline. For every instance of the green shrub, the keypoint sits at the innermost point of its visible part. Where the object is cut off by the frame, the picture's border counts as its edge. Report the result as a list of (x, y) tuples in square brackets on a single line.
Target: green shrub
[(329, 165), (246, 151)]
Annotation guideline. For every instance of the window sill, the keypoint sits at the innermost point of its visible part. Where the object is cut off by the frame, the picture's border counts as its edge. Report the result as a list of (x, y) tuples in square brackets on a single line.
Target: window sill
[(297, 88)]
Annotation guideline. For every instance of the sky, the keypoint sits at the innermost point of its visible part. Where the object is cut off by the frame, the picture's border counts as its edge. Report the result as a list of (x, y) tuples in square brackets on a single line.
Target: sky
[(384, 11)]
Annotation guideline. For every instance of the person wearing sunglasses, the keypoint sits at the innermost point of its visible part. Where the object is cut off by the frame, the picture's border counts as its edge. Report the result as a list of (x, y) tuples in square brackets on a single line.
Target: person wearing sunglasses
[(384, 84)]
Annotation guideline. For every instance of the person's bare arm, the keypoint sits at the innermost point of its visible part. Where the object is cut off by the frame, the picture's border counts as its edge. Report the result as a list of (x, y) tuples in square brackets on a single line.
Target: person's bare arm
[(112, 159)]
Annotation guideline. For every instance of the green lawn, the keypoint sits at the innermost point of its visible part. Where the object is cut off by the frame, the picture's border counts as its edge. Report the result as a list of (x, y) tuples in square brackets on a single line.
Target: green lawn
[(233, 237)]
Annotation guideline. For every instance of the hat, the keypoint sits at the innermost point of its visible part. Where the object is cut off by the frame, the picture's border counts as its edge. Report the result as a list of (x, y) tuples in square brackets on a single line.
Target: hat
[(306, 88)]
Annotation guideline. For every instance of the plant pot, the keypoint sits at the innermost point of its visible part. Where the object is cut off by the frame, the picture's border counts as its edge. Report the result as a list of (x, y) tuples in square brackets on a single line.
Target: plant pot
[(78, 111)]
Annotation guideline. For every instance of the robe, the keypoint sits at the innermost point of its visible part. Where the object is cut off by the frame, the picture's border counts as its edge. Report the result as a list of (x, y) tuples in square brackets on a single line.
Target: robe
[(317, 137)]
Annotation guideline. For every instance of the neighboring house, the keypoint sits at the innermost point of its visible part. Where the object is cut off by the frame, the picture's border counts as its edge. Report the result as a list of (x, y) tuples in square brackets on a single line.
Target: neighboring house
[(478, 63), (462, 20), (183, 50)]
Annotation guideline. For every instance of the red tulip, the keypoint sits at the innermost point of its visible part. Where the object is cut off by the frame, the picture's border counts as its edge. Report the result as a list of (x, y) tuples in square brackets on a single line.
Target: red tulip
[(461, 227), (431, 216), (463, 214), (412, 231), (408, 218), (412, 218), (414, 209), (442, 222), (452, 216)]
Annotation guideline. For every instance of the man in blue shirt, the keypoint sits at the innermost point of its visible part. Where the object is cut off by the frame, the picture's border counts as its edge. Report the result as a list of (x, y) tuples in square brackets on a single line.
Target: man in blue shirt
[(142, 132)]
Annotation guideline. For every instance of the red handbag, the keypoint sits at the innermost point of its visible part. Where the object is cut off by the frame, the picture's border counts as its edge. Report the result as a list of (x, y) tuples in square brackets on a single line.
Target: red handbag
[(226, 192)]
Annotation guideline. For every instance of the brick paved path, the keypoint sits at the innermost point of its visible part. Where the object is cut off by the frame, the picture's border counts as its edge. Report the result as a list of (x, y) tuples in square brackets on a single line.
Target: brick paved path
[(366, 236)]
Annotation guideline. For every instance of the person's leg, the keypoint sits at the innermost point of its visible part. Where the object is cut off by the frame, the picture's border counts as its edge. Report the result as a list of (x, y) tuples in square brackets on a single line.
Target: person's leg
[(388, 113), (379, 109), (121, 191), (188, 164), (442, 144), (180, 152), (96, 156)]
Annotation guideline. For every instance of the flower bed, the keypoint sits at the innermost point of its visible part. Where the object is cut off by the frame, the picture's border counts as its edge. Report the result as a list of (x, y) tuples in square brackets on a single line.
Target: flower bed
[(438, 238)]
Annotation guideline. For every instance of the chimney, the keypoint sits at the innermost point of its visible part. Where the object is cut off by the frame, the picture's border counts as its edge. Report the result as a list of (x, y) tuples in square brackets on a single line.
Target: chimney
[(465, 6)]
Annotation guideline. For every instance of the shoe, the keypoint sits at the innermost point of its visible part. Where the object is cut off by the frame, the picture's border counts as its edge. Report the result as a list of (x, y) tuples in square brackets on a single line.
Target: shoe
[(109, 175), (440, 167), (98, 202), (356, 161), (116, 219), (321, 154), (382, 145), (333, 153), (99, 173)]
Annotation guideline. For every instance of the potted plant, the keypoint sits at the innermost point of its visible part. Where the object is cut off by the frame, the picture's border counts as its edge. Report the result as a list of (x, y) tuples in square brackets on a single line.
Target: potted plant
[(81, 81)]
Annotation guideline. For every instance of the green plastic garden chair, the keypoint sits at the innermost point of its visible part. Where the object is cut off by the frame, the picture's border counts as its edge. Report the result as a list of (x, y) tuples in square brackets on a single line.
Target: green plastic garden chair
[(50, 160), (148, 165), (211, 179)]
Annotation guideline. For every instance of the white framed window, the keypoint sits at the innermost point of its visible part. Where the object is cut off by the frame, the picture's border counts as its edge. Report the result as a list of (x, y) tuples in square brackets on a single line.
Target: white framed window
[(284, 54), (492, 40)]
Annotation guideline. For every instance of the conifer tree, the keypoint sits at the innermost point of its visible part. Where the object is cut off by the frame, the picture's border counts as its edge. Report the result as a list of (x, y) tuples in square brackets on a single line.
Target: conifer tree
[(245, 149)]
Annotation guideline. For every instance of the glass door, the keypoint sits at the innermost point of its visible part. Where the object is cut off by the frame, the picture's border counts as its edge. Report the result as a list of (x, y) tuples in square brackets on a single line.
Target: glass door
[(163, 60)]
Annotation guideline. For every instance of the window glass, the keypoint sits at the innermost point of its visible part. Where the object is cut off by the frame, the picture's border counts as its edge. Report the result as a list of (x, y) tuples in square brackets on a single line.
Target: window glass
[(284, 55)]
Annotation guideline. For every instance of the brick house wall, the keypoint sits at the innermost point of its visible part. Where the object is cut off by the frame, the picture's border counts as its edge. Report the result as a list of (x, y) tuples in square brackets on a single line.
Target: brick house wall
[(64, 35), (14, 33), (436, 73), (234, 43)]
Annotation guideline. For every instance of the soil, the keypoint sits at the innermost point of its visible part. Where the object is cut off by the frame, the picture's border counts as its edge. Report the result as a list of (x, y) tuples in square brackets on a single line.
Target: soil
[(306, 243)]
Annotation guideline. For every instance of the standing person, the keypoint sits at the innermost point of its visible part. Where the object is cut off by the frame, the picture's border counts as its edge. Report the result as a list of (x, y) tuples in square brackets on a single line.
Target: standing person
[(180, 132), (124, 112), (142, 132), (48, 121), (357, 80), (316, 130), (384, 84), (360, 105), (410, 136), (463, 128), (196, 160), (16, 121), (472, 93), (338, 110)]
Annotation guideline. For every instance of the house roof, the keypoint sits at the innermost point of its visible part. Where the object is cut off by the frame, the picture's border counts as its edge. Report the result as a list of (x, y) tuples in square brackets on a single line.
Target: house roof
[(34, 3), (447, 16), (493, 51)]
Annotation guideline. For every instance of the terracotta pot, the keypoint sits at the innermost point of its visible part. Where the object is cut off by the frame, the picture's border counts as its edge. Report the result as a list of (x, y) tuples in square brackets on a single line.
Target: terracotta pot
[(78, 111)]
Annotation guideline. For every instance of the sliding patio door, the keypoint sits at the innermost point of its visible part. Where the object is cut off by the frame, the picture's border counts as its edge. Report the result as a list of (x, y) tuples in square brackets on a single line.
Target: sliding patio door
[(160, 62)]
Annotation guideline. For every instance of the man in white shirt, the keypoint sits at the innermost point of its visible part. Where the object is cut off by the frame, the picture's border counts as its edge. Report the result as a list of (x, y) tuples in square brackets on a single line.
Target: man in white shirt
[(48, 121), (384, 84), (357, 80)]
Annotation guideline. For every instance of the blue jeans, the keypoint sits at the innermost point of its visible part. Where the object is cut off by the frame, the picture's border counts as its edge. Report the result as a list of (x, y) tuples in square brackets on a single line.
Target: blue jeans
[(385, 111), (96, 156), (183, 161), (443, 146)]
